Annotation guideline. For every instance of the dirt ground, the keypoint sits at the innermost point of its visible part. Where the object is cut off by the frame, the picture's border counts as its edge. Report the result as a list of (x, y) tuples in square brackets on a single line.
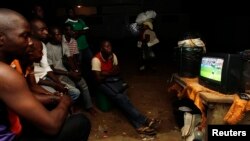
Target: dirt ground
[(147, 91)]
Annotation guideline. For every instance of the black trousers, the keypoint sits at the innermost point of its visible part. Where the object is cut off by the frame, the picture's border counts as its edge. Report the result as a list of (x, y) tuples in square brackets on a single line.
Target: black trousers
[(76, 128)]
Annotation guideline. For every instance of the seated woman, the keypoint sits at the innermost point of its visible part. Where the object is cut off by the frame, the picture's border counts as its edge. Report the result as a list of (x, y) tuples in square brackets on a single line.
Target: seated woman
[(104, 66)]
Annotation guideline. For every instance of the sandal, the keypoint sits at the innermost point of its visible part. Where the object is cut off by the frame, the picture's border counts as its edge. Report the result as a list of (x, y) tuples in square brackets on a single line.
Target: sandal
[(153, 123), (146, 131)]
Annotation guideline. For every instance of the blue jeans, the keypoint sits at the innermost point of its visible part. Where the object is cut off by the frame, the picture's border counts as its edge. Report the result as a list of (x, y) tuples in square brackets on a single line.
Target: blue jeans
[(85, 93), (75, 93), (122, 102)]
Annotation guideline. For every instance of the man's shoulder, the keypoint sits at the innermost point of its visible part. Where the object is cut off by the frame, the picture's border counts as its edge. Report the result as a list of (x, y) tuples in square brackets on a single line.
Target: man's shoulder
[(114, 55), (3, 65), (6, 70), (96, 58), (49, 46), (70, 21)]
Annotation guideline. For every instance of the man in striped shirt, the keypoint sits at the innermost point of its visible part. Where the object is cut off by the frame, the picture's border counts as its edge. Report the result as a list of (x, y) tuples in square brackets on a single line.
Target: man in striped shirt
[(69, 39)]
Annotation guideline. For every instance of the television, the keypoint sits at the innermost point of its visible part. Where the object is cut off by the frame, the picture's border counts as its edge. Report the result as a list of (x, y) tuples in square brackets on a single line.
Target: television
[(221, 72)]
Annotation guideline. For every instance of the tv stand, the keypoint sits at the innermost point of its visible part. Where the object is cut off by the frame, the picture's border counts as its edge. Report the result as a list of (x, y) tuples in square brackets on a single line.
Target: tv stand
[(218, 105)]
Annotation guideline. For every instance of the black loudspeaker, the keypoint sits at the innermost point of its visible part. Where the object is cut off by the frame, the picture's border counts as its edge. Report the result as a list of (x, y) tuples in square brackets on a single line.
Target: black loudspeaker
[(189, 59), (246, 76), (245, 81)]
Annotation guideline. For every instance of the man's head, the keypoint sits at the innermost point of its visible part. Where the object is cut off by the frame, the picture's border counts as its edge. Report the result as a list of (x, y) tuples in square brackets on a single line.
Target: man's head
[(56, 35), (39, 29), (37, 11), (34, 53), (71, 13), (68, 30), (106, 48), (14, 34)]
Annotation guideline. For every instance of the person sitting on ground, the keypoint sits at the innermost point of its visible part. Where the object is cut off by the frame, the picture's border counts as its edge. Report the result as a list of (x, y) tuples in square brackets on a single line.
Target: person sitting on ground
[(56, 50), (17, 101), (104, 66)]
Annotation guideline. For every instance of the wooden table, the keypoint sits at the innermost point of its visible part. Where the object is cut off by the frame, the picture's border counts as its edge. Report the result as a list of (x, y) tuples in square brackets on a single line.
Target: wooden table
[(213, 105)]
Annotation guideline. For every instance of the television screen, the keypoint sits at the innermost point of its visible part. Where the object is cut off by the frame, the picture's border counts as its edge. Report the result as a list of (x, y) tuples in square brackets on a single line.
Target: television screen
[(221, 72), (211, 68)]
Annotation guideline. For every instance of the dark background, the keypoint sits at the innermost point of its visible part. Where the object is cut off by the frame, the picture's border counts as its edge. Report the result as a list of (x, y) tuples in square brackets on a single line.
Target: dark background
[(224, 27)]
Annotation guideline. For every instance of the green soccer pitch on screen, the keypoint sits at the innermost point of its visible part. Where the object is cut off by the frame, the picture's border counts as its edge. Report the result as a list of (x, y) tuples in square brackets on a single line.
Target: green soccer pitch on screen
[(211, 68)]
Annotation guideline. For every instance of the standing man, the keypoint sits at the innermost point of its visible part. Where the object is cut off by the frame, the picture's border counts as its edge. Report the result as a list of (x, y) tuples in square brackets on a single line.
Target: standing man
[(81, 29), (147, 40), (16, 100)]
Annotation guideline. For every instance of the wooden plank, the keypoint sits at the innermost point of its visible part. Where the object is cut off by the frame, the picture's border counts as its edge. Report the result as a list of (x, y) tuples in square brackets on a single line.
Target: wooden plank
[(216, 98)]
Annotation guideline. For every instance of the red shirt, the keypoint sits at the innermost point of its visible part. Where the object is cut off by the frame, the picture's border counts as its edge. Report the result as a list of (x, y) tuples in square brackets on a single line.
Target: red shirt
[(106, 65)]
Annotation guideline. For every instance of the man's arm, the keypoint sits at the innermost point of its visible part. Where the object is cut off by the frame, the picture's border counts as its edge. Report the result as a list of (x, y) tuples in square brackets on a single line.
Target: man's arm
[(15, 93), (76, 76), (77, 61), (53, 77), (35, 87), (41, 94), (79, 33), (71, 66), (102, 75), (53, 82), (47, 99), (84, 31)]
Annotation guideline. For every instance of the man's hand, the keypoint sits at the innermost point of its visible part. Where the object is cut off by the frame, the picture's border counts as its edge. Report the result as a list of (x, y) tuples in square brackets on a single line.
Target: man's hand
[(115, 70), (79, 33), (58, 93), (61, 87), (76, 76), (55, 99), (66, 99)]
